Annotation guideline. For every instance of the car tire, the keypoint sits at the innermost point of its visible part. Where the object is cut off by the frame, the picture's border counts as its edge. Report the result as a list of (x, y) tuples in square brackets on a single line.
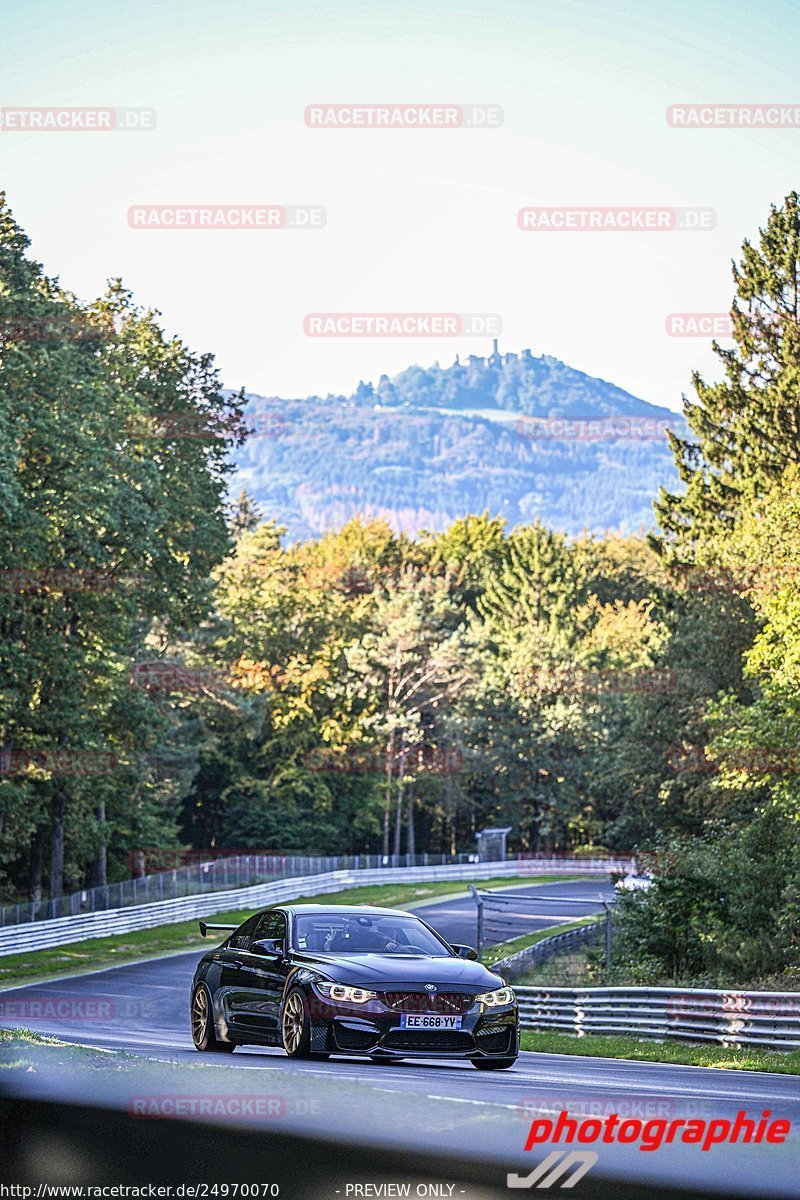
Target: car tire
[(203, 1035), (296, 1027), (493, 1064)]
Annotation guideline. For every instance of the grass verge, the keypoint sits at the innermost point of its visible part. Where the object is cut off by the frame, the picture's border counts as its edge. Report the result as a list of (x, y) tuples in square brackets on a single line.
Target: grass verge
[(71, 959), (690, 1054), (19, 1047), (503, 949), (13, 1036), (16, 1046)]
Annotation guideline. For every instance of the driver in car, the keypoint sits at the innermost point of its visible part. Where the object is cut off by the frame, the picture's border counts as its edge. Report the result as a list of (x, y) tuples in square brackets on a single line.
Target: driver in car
[(362, 937)]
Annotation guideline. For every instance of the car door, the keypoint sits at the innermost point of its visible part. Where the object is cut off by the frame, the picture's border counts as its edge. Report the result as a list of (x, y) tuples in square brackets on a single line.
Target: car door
[(234, 976), (262, 980)]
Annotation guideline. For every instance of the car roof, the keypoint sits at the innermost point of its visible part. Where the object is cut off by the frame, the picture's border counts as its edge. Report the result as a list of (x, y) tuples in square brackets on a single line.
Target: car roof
[(360, 909)]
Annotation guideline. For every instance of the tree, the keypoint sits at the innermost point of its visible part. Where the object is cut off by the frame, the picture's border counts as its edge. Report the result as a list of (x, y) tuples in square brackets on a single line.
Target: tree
[(720, 914), (472, 549), (245, 515), (535, 585), (113, 452), (747, 426), (755, 735), (410, 664), (521, 761)]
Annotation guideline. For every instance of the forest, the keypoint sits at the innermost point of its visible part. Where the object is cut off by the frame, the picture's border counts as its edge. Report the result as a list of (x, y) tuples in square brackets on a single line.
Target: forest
[(178, 672)]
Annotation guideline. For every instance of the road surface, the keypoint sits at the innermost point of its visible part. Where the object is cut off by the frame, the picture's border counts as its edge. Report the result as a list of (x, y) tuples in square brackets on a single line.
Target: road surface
[(448, 1108)]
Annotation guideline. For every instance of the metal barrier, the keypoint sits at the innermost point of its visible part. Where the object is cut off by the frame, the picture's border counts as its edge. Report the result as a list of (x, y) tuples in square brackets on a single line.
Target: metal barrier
[(224, 872), (503, 904), (539, 952), (210, 873), (730, 1018), (41, 935)]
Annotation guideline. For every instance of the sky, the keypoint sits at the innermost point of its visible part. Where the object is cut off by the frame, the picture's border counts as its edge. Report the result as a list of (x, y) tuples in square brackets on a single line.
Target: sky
[(417, 220)]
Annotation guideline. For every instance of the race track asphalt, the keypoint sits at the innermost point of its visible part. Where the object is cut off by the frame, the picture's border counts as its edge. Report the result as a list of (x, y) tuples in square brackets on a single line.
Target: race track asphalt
[(448, 1108)]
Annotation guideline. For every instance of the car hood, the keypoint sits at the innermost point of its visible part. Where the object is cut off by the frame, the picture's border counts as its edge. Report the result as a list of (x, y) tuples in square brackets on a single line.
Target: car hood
[(384, 971)]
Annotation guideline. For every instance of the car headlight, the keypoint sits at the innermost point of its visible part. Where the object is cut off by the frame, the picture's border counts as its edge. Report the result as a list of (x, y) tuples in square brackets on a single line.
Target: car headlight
[(340, 991), (497, 998)]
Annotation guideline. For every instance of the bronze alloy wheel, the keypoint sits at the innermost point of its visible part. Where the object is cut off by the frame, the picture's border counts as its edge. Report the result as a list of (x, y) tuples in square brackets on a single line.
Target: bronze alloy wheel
[(203, 1034), (199, 1016), (294, 1020), (296, 1029)]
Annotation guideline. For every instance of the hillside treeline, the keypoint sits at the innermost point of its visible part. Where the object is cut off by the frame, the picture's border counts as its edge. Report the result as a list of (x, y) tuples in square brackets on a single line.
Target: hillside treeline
[(176, 673)]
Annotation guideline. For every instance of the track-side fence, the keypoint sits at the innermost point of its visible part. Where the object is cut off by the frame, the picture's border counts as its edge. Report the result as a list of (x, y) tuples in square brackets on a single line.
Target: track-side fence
[(729, 1018), (40, 935), (523, 961), (223, 872), (215, 873), (498, 914)]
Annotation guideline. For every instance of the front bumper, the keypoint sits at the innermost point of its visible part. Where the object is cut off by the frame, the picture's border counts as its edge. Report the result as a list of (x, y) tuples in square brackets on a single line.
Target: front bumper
[(343, 1029)]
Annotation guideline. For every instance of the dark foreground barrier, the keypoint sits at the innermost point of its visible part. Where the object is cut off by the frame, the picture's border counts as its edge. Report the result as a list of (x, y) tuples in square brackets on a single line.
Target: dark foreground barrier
[(53, 1148)]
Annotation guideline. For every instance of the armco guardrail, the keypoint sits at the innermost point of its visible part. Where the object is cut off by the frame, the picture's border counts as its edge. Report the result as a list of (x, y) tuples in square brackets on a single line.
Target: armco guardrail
[(693, 1014), (495, 907), (214, 872), (560, 943), (220, 872), (41, 935)]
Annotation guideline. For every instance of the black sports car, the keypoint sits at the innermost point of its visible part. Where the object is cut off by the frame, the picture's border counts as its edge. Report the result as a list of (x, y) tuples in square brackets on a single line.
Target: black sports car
[(321, 980)]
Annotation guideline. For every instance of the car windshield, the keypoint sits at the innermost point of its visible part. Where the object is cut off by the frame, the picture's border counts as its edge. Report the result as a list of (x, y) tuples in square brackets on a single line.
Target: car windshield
[(340, 933)]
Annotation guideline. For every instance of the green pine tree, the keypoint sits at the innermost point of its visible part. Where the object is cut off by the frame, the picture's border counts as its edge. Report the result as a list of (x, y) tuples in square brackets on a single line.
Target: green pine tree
[(747, 426)]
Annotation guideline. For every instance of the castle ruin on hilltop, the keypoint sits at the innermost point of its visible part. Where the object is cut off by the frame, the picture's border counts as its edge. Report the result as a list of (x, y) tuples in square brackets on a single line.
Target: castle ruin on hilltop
[(495, 359)]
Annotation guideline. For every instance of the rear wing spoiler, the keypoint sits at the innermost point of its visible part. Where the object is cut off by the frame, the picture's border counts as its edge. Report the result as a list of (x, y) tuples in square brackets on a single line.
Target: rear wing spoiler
[(204, 927)]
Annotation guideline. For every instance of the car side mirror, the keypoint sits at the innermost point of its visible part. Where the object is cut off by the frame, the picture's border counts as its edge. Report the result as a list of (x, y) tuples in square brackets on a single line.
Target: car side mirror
[(268, 948), (466, 952)]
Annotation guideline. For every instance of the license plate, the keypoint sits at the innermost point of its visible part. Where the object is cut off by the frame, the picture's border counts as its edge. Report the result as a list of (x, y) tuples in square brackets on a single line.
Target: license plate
[(428, 1021)]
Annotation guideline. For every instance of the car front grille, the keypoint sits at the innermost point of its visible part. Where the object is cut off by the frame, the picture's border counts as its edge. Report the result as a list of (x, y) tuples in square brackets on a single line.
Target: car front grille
[(445, 1003), (430, 1040)]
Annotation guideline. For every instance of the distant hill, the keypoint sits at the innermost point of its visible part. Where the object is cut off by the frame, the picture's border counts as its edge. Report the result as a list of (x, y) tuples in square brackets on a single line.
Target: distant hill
[(521, 436)]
